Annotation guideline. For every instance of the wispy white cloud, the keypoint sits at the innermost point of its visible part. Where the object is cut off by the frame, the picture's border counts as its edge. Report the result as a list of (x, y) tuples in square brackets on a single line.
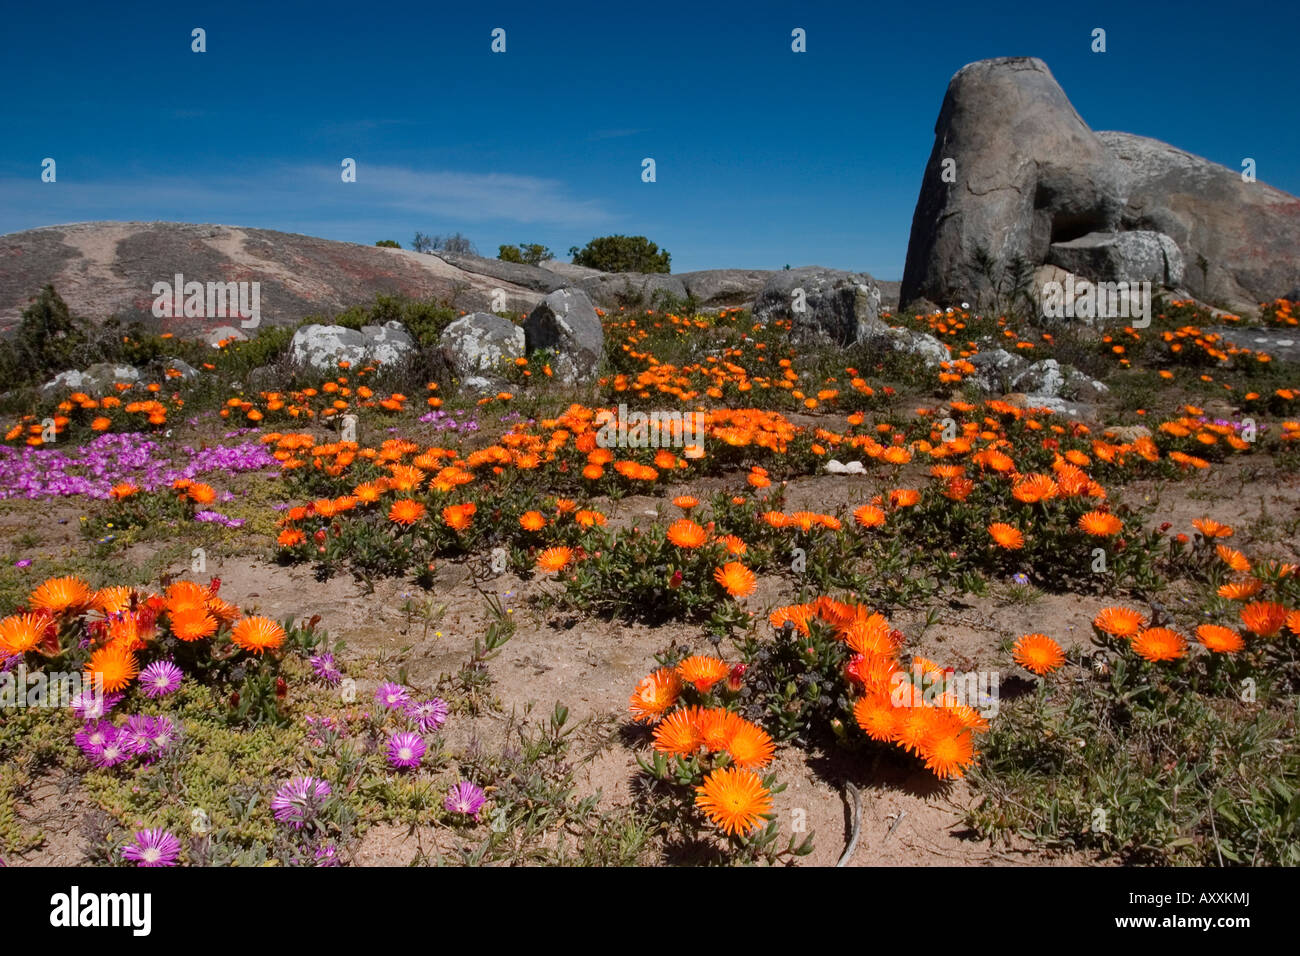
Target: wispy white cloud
[(301, 197)]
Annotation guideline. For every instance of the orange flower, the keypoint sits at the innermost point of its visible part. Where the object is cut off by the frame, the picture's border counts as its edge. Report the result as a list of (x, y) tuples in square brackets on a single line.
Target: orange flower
[(876, 716), (290, 538), (749, 745), (904, 497), (554, 560), (686, 502), (1264, 618), (1221, 640), (1100, 524), (1233, 558), (685, 533), (1240, 590), (734, 800), (736, 579), (1211, 528), (949, 754), (1034, 488), (1038, 653), (406, 512), (702, 671), (122, 490), (21, 632), (677, 734), (192, 623), (532, 521), (1160, 644), (113, 664), (1007, 536), (1119, 621), (257, 634), (869, 516), (59, 595), (733, 544), (654, 695), (459, 517)]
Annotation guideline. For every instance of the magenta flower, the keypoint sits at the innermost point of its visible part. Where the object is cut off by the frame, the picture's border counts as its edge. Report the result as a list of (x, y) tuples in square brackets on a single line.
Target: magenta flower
[(90, 705), (428, 715), (393, 696), (94, 737), (298, 801), (405, 749), (160, 678), (153, 848), (325, 667), (465, 798)]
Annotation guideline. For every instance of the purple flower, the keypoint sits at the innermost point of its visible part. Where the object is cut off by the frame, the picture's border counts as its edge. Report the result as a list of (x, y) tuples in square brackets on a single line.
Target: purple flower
[(327, 855), (94, 737), (213, 517), (465, 798), (393, 696), (160, 679), (89, 705), (23, 563), (406, 749), (428, 715), (115, 751), (298, 801), (326, 669), (160, 732), (153, 848), (134, 737)]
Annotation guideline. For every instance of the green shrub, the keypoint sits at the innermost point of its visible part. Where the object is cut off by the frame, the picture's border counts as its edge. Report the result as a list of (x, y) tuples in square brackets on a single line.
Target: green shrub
[(622, 254)]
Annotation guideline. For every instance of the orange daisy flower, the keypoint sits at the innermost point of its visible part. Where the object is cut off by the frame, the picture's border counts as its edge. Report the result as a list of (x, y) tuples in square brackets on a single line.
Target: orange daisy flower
[(869, 516), (736, 579), (1233, 558), (685, 533), (406, 512), (192, 623), (734, 800), (1264, 618), (1211, 528), (949, 754), (1038, 653), (1119, 621), (532, 521), (21, 632), (1160, 644), (113, 664), (654, 694), (257, 634), (677, 734), (1100, 524), (60, 595), (1007, 536), (876, 716), (554, 560), (702, 671), (749, 745), (1221, 640)]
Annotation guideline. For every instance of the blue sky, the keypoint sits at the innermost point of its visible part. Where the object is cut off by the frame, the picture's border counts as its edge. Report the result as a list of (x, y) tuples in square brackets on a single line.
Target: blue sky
[(763, 157)]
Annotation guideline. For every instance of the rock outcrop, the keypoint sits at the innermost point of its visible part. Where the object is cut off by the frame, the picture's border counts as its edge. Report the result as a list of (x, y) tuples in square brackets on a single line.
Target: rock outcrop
[(1016, 179)]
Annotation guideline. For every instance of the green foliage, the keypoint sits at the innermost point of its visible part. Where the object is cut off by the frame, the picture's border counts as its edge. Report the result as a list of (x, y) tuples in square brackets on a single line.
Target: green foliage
[(389, 244), (526, 253), (622, 254)]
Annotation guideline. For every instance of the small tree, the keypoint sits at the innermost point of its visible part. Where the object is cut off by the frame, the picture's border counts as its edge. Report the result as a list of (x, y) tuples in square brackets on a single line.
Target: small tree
[(510, 254), (622, 254), (390, 243)]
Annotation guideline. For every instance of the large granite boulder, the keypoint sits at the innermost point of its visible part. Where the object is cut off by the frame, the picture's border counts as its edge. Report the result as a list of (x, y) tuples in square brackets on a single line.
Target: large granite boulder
[(566, 324), (482, 342), (1016, 177), (1014, 169), (1239, 240), (97, 380), (323, 347), (1138, 256)]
